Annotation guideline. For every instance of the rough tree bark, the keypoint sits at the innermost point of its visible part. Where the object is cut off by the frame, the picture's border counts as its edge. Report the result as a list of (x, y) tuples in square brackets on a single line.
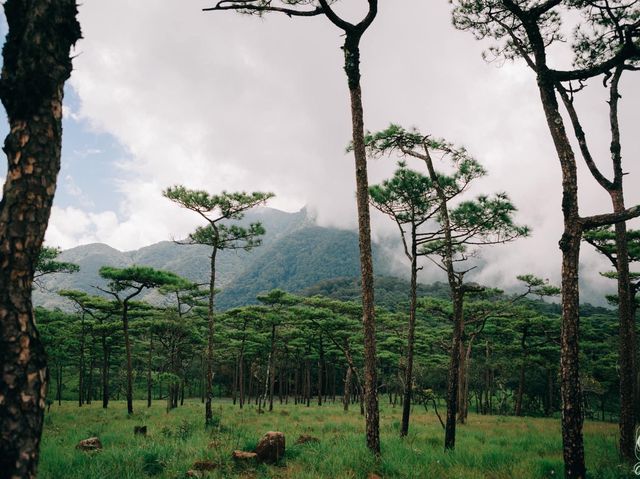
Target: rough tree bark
[(352, 68), (36, 65)]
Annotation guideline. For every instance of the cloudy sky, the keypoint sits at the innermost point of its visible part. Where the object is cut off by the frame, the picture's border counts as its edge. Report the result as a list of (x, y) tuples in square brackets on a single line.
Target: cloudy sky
[(163, 93)]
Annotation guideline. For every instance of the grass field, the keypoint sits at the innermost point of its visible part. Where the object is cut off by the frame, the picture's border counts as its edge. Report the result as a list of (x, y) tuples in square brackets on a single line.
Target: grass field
[(493, 447)]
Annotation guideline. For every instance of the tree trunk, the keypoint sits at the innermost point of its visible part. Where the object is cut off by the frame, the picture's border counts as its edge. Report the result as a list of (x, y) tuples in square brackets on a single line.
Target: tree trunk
[(81, 366), (90, 393), (627, 362), (408, 380), (271, 366), (241, 379), (36, 65), (308, 384), (59, 384), (105, 371), (549, 401), (346, 397), (208, 414), (234, 384), (320, 363), (352, 69), (520, 393), (454, 371), (127, 344), (149, 382), (457, 298), (465, 371), (572, 415)]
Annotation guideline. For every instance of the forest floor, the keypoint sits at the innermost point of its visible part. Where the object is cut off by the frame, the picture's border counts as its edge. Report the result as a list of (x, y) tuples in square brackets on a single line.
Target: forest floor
[(495, 447)]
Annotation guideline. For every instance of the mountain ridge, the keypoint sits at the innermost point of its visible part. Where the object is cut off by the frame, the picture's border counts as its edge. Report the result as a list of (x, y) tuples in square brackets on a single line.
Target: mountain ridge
[(296, 253)]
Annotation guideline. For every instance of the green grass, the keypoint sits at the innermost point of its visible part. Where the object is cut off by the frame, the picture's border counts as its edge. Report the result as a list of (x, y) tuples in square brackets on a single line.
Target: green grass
[(488, 447)]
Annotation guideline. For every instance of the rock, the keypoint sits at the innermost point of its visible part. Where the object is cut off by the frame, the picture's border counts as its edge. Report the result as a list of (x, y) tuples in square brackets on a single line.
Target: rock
[(204, 466), (243, 456), (192, 473), (90, 444), (140, 430), (306, 439), (271, 447)]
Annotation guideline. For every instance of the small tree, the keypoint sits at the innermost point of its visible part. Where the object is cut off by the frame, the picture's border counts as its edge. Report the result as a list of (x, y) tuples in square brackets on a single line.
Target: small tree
[(458, 229), (124, 285), (218, 235), (101, 311), (411, 201)]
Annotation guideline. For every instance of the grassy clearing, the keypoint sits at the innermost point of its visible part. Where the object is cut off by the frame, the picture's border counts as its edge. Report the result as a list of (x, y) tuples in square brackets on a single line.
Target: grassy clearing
[(489, 447)]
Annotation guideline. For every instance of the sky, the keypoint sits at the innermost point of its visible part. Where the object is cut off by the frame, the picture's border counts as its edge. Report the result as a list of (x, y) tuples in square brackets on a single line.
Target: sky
[(163, 93)]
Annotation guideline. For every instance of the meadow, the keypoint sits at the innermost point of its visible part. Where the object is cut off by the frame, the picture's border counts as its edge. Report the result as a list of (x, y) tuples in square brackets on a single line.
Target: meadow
[(488, 447)]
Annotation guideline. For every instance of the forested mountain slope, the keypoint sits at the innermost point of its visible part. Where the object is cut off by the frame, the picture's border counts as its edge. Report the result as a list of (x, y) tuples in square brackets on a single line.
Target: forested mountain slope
[(296, 254)]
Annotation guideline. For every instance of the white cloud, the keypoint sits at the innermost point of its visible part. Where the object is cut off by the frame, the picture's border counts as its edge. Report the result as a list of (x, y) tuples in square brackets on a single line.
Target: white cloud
[(221, 101)]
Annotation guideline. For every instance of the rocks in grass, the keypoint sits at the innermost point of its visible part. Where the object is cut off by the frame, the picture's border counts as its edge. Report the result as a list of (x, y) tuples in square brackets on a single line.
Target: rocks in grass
[(244, 457), (271, 447), (140, 430), (90, 444), (306, 439)]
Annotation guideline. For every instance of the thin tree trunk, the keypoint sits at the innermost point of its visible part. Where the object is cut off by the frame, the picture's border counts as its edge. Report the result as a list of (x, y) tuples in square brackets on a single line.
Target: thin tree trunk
[(59, 384), (463, 406), (461, 384), (308, 386), (234, 387), (518, 410), (549, 405), (90, 393), (320, 363), (271, 366), (127, 344), (352, 69), (241, 379), (454, 371), (627, 362), (105, 371), (81, 367), (408, 380), (149, 382), (346, 397), (457, 298), (208, 414)]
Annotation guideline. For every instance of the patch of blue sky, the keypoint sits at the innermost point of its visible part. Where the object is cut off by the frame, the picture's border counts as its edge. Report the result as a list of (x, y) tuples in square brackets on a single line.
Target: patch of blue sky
[(88, 177)]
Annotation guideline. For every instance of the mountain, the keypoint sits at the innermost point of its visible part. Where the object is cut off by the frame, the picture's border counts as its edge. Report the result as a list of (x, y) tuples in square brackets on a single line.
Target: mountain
[(295, 254)]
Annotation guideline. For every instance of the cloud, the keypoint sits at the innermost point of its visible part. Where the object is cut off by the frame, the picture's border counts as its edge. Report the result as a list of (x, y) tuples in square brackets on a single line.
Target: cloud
[(228, 102)]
